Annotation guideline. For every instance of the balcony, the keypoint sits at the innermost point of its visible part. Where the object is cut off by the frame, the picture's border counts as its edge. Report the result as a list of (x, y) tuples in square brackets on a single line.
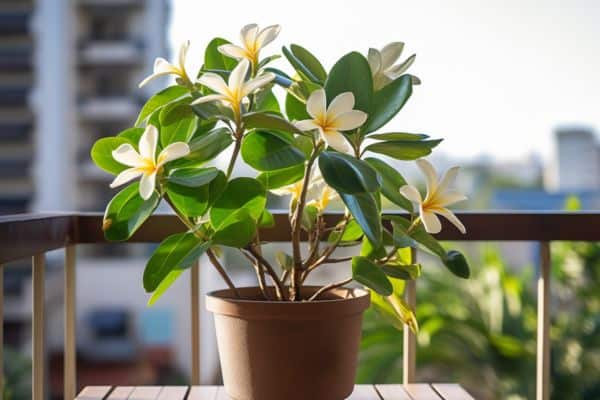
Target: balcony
[(16, 59), (108, 109), (14, 23), (111, 53), (16, 96), (31, 236), (15, 131), (110, 6)]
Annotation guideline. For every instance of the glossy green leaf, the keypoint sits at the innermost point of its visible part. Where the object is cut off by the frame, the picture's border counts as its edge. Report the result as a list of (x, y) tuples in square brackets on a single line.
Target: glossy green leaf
[(265, 120), (295, 109), (419, 234), (347, 174), (195, 201), (309, 217), (214, 59), (281, 177), (164, 286), (398, 136), (101, 154), (351, 74), (213, 111), (387, 102), (267, 220), (456, 262), (265, 151), (178, 251), (133, 135), (267, 60), (265, 101), (177, 123), (402, 271), (300, 68), (159, 100), (126, 212), (285, 261), (246, 193), (237, 230), (351, 233), (370, 251), (406, 150), (369, 274), (391, 182), (309, 61), (193, 177), (363, 207), (204, 148)]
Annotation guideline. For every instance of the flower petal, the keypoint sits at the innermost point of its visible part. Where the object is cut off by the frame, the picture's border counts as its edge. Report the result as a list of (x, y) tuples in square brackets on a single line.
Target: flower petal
[(449, 197), (349, 120), (233, 51), (335, 140), (448, 179), (162, 66), (238, 75), (125, 176), (209, 98), (148, 142), (390, 53), (411, 193), (267, 35), (127, 155), (316, 105), (257, 83), (430, 175), (306, 125), (147, 184), (342, 103), (172, 152), (183, 50), (449, 215), (430, 221), (214, 82), (248, 35), (397, 70), (374, 58)]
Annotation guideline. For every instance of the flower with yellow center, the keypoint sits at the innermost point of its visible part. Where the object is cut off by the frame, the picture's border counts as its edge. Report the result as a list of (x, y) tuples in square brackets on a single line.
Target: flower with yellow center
[(329, 121), (382, 64), (253, 41), (162, 67), (145, 163), (438, 197), (319, 194), (233, 92)]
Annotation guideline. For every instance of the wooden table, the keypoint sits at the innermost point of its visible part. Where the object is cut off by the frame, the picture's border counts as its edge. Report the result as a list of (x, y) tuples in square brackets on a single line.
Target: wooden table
[(420, 391)]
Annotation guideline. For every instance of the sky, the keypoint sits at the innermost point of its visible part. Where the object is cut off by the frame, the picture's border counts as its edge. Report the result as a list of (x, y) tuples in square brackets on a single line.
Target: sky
[(498, 76)]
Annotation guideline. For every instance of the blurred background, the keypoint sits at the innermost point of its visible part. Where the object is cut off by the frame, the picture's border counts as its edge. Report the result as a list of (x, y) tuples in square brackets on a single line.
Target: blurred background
[(513, 87)]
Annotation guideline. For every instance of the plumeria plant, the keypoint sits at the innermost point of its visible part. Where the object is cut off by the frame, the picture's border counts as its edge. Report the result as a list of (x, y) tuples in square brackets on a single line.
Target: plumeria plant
[(323, 145)]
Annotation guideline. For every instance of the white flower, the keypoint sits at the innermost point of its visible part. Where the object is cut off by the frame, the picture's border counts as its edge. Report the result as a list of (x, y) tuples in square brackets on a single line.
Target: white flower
[(163, 67), (145, 163), (252, 42), (439, 196), (236, 89), (339, 116), (382, 64), (319, 194)]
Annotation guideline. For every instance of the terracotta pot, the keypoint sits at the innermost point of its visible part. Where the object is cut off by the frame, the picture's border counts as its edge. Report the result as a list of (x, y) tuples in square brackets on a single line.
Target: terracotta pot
[(288, 350)]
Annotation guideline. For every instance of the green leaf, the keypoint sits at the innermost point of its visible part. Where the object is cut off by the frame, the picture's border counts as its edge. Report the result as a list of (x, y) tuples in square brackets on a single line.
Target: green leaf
[(418, 233), (240, 193), (101, 154), (310, 62), (351, 233), (369, 274), (126, 212), (456, 262), (398, 136), (159, 100), (363, 207), (265, 151), (195, 201), (281, 177), (285, 261), (295, 109), (193, 177), (205, 148), (237, 230), (265, 120), (309, 217), (391, 182), (387, 102), (402, 271), (370, 251), (267, 220), (164, 285), (406, 150), (133, 135), (351, 74), (347, 174), (267, 60), (177, 251), (177, 123), (214, 59), (266, 101), (213, 111), (302, 69)]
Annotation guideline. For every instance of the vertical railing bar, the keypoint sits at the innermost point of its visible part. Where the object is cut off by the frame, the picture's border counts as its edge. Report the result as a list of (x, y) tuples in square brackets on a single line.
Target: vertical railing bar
[(195, 321), (543, 324), (70, 353), (38, 280), (1, 332), (409, 349)]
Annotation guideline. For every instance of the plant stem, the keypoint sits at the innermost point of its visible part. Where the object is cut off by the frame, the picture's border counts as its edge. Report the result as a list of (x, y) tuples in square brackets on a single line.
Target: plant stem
[(260, 274), (269, 269), (328, 288), (215, 261), (236, 151), (328, 251)]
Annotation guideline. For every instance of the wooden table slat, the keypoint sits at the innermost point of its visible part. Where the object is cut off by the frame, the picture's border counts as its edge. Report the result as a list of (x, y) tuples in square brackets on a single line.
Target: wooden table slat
[(203, 393), (145, 393), (364, 392), (222, 394), (392, 392), (93, 393), (121, 393), (451, 391), (421, 391), (173, 393)]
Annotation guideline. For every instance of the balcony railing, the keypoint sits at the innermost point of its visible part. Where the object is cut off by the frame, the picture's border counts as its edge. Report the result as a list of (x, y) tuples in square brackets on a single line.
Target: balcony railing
[(24, 236)]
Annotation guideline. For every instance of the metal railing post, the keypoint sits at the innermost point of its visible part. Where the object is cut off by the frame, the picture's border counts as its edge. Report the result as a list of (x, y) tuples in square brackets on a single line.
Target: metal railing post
[(70, 353), (543, 325)]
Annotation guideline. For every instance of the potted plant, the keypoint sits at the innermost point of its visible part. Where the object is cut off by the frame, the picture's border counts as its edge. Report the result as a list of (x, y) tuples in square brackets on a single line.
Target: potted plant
[(282, 339)]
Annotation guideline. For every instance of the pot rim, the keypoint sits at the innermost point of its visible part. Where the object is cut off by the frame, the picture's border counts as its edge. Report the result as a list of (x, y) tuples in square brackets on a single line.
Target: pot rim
[(222, 302)]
